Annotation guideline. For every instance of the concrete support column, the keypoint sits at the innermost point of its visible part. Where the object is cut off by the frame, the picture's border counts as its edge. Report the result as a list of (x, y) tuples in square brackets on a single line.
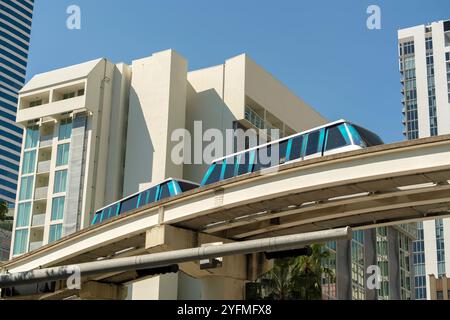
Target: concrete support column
[(101, 291), (370, 259), (394, 264), (222, 288), (343, 270)]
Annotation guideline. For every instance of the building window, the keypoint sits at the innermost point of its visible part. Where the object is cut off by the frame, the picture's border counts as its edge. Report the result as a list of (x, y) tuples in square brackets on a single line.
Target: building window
[(358, 271), (26, 188), (23, 215), (57, 208), (65, 129), (439, 225), (29, 162), (405, 266), (20, 241), (55, 233), (419, 264), (383, 262), (60, 181), (68, 95), (31, 137), (62, 155), (439, 295), (35, 103)]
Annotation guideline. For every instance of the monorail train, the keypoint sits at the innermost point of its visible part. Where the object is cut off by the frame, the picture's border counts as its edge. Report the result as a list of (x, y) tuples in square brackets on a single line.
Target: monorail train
[(168, 188), (336, 137)]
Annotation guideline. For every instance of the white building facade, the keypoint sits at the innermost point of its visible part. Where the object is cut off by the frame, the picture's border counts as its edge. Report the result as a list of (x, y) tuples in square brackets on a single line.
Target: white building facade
[(424, 53), (98, 131)]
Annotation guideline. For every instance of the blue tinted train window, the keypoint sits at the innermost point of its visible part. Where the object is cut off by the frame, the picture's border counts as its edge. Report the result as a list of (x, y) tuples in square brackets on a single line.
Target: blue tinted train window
[(129, 204), (148, 196), (296, 148), (370, 138), (164, 192), (312, 145), (214, 173), (96, 218), (244, 163), (282, 148), (229, 168), (185, 186), (336, 138), (263, 158)]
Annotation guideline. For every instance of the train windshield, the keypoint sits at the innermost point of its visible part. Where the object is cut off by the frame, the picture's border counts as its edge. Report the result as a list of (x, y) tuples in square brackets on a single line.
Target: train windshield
[(369, 138)]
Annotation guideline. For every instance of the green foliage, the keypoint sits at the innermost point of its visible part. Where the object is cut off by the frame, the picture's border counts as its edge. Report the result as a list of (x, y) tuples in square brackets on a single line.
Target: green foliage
[(296, 278), (3, 210)]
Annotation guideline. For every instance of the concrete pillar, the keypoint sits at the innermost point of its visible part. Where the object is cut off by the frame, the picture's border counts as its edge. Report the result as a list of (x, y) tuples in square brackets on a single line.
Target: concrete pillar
[(101, 291), (370, 259), (222, 288), (394, 264), (162, 287), (343, 270)]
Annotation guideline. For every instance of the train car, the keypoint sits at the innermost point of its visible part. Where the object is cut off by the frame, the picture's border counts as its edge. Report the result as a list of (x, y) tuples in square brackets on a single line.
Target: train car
[(168, 188), (336, 137)]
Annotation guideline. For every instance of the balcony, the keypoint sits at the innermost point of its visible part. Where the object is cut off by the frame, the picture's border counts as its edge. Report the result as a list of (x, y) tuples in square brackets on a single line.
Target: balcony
[(46, 141), (40, 193), (43, 166), (38, 220), (35, 245)]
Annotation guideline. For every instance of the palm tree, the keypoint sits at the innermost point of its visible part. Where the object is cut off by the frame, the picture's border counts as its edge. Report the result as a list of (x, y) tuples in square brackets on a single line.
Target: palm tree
[(3, 210), (298, 278)]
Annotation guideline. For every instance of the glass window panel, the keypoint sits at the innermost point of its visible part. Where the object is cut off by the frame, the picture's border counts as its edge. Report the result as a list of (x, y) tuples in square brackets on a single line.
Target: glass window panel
[(312, 146), (129, 204), (165, 192), (60, 181), (65, 129), (29, 162), (58, 208), (20, 241), (296, 148), (62, 156), (55, 233), (244, 161), (31, 137), (335, 139), (229, 167), (26, 188), (263, 158), (23, 215), (215, 174)]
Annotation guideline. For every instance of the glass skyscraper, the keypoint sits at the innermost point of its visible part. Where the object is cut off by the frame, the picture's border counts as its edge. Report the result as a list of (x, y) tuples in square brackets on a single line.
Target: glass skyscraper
[(15, 28)]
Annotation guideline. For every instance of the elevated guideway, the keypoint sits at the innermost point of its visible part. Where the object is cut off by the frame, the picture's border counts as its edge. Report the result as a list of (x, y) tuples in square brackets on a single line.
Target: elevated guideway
[(387, 184)]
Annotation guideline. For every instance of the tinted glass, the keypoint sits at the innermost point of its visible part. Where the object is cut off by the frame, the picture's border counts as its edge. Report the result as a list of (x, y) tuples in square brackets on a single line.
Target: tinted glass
[(229, 167), (313, 143), (296, 148), (263, 158), (335, 139), (282, 148), (215, 174), (148, 196), (370, 138), (165, 192), (185, 186), (243, 163), (129, 204)]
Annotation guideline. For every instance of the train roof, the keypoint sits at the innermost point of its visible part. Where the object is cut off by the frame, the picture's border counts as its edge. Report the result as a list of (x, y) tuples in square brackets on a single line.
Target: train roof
[(284, 138), (147, 188)]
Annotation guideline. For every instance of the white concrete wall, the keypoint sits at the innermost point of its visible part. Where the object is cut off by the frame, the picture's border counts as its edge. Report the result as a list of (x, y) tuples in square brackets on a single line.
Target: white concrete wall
[(156, 107)]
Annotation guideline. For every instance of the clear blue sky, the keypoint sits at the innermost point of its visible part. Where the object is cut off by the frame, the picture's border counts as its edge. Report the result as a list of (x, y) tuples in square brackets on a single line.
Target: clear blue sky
[(322, 50)]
